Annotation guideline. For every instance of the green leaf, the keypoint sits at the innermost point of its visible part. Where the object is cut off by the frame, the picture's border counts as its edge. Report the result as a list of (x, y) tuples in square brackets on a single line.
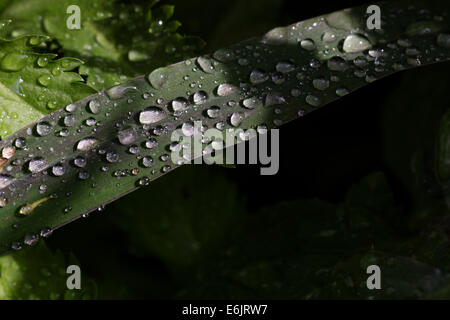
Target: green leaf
[(33, 84), (39, 273), (260, 83), (116, 40)]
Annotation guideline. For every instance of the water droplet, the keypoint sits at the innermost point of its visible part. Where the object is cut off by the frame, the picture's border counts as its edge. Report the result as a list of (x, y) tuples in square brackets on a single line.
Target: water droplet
[(94, 106), (321, 84), (236, 119), (43, 128), (37, 165), (44, 80), (45, 233), (8, 152), (144, 181), (328, 36), (5, 180), (71, 107), (147, 161), (341, 92), (69, 120), (20, 143), (86, 144), (90, 122), (273, 98), (180, 104), (356, 43), (205, 64), (421, 28), (151, 115), (83, 175), (251, 103), (200, 97), (188, 129), (133, 149), (150, 144), (313, 100), (79, 162), (404, 43), (278, 78), (31, 239), (213, 112), (226, 89), (13, 62), (126, 137), (308, 44), (258, 76), (16, 246), (443, 40), (224, 55), (285, 67), (58, 170), (117, 92), (42, 61), (158, 78), (112, 156)]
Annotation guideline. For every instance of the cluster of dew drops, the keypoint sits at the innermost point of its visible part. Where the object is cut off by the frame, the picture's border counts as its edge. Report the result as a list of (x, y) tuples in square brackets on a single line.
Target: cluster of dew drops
[(227, 104)]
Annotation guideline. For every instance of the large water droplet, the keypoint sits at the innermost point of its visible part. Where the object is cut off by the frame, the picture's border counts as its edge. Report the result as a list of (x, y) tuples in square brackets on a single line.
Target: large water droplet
[(86, 144), (321, 84), (151, 115), (37, 165), (80, 162), (43, 128), (213, 112), (94, 106), (236, 119), (356, 43), (13, 62), (313, 100), (205, 64), (258, 76), (285, 67), (147, 161), (117, 92), (337, 64), (179, 104), (5, 180), (126, 137), (58, 170), (226, 89), (158, 78), (70, 120), (251, 103), (224, 55), (200, 97), (112, 156), (273, 98), (152, 143), (188, 129), (308, 44)]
